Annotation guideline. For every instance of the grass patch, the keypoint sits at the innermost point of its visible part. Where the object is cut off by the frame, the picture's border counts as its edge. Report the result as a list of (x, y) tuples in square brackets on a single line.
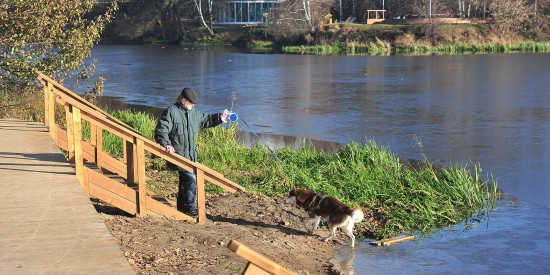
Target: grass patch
[(408, 198), (479, 47), (206, 44)]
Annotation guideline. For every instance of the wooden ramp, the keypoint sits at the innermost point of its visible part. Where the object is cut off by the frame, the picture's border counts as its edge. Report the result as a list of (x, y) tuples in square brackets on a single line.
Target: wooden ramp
[(95, 166), (47, 223)]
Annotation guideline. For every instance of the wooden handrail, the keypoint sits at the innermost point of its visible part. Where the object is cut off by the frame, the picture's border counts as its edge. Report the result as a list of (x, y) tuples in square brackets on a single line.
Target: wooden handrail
[(257, 263), (132, 169)]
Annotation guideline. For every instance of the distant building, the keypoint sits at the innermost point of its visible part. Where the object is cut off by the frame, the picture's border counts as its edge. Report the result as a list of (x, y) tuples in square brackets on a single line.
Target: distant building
[(246, 12)]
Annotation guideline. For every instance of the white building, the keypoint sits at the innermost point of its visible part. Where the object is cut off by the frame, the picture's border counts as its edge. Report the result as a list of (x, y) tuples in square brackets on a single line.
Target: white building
[(249, 12)]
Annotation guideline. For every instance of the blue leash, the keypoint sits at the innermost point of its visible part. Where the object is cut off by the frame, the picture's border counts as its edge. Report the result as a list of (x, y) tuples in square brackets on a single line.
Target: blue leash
[(270, 150)]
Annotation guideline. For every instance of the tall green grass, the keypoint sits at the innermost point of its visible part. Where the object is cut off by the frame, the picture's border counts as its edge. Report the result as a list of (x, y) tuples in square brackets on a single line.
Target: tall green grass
[(377, 47), (315, 49), (142, 122), (380, 47), (420, 198), (461, 48)]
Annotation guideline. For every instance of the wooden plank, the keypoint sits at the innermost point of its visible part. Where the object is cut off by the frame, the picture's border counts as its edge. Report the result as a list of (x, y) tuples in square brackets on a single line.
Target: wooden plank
[(142, 180), (112, 192), (112, 199), (99, 146), (112, 185), (93, 134), (391, 241), (87, 180), (46, 90), (252, 269), (224, 183), (62, 139), (70, 131), (160, 197), (88, 151), (131, 161), (169, 212), (51, 111), (257, 259), (201, 199), (113, 165), (77, 133), (106, 123)]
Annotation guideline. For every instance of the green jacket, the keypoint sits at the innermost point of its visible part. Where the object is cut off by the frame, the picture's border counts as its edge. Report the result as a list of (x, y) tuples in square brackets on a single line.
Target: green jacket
[(179, 127)]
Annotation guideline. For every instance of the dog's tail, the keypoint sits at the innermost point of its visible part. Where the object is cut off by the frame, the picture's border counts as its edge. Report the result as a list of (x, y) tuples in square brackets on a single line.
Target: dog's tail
[(357, 215)]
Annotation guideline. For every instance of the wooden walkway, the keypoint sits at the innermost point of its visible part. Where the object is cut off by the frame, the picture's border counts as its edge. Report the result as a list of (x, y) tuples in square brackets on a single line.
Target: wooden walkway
[(47, 223)]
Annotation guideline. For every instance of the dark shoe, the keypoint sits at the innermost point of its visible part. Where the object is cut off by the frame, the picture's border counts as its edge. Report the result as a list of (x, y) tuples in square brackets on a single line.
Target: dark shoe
[(191, 212)]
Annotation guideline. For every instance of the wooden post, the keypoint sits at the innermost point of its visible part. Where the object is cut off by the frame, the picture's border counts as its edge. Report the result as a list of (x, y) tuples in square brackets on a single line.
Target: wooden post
[(98, 146), (142, 183), (131, 162), (93, 134), (46, 90), (201, 199), (70, 132), (86, 178), (78, 156), (51, 113)]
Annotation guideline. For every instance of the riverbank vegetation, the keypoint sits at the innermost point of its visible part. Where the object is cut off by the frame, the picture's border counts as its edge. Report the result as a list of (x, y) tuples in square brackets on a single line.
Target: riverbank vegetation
[(402, 197), (444, 27)]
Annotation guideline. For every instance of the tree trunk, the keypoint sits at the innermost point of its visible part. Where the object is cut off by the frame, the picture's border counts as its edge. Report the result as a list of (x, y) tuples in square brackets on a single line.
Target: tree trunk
[(198, 5), (307, 14)]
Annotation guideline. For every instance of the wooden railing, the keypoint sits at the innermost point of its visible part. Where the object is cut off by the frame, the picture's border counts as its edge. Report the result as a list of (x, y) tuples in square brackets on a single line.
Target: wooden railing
[(375, 16), (131, 195), (258, 264)]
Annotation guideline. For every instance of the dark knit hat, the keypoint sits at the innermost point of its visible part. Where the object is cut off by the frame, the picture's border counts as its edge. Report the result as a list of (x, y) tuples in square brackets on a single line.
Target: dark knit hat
[(190, 95)]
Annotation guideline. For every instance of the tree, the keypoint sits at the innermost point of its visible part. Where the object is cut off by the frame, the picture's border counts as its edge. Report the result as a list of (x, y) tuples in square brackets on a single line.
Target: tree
[(198, 5), (510, 16), (52, 36)]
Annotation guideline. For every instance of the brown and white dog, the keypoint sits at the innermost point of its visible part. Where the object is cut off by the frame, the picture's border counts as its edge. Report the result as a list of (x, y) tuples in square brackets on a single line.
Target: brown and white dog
[(336, 213)]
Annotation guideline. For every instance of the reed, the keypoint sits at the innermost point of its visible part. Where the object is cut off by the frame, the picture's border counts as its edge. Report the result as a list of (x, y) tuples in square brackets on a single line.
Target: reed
[(368, 175), (479, 47), (316, 49), (378, 47)]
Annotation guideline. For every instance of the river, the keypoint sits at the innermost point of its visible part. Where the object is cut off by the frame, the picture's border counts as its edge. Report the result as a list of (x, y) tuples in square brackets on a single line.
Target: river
[(492, 110)]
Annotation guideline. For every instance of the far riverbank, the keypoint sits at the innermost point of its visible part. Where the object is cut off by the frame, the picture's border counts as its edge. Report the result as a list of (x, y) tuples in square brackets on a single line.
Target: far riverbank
[(360, 39)]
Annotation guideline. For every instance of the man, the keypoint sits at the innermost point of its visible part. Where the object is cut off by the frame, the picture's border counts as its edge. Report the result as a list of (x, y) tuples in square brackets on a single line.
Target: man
[(176, 131)]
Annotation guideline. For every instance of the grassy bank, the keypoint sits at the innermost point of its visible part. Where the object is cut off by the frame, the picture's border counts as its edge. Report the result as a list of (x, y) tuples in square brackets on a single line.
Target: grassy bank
[(406, 198), (385, 48), (402, 198), (398, 39), (385, 39)]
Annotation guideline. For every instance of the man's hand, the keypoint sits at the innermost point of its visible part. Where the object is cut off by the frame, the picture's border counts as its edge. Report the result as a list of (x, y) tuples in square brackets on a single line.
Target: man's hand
[(224, 116), (169, 149)]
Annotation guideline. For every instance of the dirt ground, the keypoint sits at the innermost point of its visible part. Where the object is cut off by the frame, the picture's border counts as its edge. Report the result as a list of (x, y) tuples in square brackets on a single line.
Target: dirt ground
[(155, 245)]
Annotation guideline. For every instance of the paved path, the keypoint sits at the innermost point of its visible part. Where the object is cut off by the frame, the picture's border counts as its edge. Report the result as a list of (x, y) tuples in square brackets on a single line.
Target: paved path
[(47, 223)]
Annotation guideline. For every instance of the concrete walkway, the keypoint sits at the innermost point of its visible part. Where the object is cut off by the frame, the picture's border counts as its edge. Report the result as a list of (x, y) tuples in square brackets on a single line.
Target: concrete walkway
[(47, 223)]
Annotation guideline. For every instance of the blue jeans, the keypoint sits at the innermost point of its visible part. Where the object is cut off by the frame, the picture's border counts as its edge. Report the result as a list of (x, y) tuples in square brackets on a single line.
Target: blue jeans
[(187, 192)]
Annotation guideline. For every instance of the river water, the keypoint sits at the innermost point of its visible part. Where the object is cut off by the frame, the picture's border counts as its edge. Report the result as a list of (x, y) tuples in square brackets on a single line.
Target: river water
[(492, 110)]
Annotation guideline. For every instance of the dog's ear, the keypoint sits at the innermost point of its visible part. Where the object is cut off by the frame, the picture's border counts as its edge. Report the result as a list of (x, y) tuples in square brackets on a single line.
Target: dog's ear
[(292, 192)]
